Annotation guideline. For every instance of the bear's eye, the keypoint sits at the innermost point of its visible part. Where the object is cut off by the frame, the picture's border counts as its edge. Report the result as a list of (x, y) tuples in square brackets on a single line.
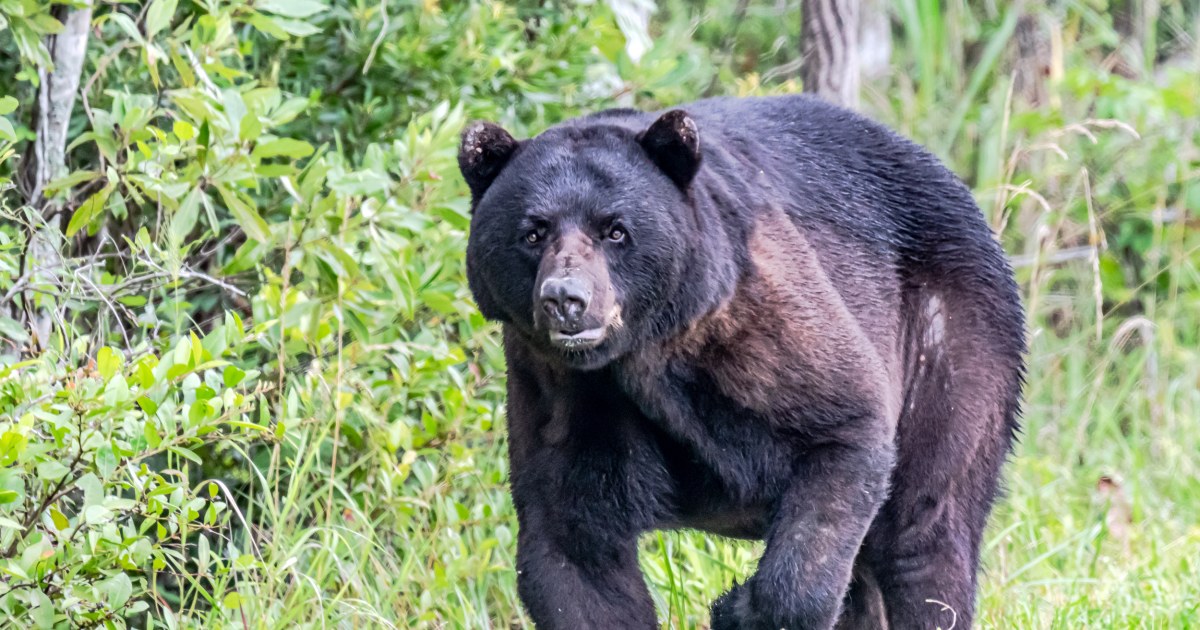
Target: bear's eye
[(616, 234), (535, 235)]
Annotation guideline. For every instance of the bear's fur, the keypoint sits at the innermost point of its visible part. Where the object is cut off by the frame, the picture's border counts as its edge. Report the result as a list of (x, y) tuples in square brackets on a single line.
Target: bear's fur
[(767, 318)]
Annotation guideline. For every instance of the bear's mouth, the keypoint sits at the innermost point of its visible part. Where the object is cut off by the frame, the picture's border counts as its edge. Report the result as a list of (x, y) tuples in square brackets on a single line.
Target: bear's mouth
[(577, 340)]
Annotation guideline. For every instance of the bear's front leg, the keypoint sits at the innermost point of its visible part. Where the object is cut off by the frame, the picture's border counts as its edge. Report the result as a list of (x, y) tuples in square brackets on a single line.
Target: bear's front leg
[(812, 541), (585, 482), (573, 578)]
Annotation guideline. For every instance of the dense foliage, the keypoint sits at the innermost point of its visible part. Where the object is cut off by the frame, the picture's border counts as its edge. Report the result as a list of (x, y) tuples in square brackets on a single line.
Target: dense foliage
[(267, 398)]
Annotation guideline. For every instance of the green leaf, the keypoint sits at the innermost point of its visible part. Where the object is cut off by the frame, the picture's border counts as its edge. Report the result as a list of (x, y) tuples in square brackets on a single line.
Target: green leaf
[(198, 412), (46, 24), (186, 76), (235, 330), (93, 490), (186, 454), (117, 589), (204, 392), (183, 130), (289, 110), (357, 327), (249, 426), (291, 8), (117, 391), (6, 131), (197, 351), (106, 460), (250, 128), (185, 217), (202, 140), (145, 374), (298, 28), (267, 25), (234, 106), (177, 370), (274, 170), (8, 105), (12, 330), (51, 470), (97, 514), (43, 613), (71, 180), (232, 376), (248, 218), (126, 24), (159, 15), (60, 521), (360, 183), (151, 433), (289, 147), (108, 361), (202, 553), (148, 406), (232, 600), (8, 496), (89, 210)]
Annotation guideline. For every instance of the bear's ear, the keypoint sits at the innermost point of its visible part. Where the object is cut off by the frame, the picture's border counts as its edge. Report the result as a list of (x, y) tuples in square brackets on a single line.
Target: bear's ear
[(484, 151), (673, 143)]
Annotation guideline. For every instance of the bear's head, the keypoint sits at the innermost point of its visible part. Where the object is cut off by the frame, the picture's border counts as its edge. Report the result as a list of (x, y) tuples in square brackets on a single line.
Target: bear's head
[(582, 237)]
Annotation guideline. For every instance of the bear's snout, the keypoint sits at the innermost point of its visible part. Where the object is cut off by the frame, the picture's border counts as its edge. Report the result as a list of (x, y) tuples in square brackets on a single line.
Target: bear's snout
[(565, 300), (569, 311), (572, 296)]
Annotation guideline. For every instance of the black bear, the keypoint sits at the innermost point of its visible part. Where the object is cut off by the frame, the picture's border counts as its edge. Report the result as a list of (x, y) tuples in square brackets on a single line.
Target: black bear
[(768, 318)]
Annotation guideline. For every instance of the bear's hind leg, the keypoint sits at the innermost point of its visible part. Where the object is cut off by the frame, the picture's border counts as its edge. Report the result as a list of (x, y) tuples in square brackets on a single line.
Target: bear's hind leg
[(929, 583), (924, 545), (955, 428)]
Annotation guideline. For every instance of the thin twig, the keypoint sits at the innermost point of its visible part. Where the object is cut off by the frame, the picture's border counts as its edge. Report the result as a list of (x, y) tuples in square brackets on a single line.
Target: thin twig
[(383, 8), (1095, 238)]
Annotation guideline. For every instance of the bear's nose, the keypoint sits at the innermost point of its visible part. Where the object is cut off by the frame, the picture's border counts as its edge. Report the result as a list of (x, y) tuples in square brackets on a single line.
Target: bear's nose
[(564, 301)]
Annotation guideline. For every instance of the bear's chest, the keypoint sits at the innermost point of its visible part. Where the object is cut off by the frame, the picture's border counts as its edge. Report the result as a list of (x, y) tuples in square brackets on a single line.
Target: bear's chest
[(721, 449)]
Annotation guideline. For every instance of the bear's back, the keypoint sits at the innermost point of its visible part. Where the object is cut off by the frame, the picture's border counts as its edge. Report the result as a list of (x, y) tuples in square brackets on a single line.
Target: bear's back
[(886, 217), (888, 221)]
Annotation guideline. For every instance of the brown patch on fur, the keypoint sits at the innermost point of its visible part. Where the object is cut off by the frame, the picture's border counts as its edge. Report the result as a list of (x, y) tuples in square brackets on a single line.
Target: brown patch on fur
[(786, 339)]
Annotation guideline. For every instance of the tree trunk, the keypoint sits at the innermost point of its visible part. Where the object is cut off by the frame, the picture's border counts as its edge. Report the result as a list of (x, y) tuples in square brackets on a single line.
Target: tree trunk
[(1034, 61), (1134, 21), (47, 160), (875, 39), (829, 34)]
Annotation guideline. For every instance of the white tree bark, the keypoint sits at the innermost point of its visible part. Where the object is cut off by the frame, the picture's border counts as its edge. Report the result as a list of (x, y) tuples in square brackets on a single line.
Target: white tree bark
[(829, 36), (875, 39), (46, 159)]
